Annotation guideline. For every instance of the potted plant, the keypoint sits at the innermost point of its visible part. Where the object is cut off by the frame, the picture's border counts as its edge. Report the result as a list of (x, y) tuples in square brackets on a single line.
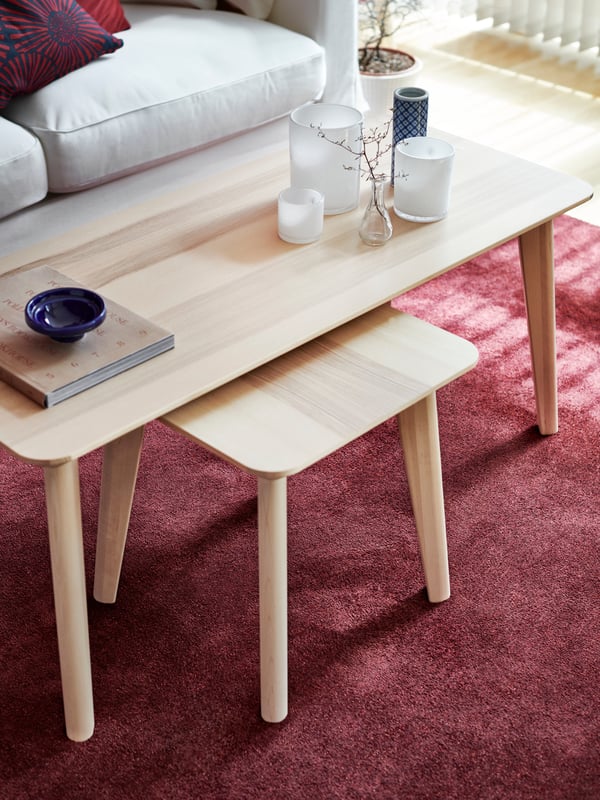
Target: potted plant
[(384, 68)]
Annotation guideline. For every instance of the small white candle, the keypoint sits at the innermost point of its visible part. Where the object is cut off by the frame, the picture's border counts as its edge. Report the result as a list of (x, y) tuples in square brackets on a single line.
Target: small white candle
[(300, 215)]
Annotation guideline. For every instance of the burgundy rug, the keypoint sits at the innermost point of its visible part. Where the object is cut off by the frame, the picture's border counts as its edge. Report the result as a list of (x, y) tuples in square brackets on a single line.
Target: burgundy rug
[(493, 694)]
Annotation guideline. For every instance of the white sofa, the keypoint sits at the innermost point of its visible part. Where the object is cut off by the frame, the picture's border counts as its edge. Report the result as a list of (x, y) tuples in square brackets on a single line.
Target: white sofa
[(187, 81)]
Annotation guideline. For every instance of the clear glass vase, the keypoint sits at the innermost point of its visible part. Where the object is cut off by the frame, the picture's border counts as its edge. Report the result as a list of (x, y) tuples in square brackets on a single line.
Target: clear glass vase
[(376, 226)]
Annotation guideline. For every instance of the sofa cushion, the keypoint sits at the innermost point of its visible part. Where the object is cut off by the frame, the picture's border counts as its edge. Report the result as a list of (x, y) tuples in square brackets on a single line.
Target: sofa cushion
[(221, 74), (44, 40), (23, 179), (108, 13)]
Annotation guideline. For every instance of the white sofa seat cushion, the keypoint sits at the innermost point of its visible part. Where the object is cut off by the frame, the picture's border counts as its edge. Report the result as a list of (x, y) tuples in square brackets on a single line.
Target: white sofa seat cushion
[(183, 78), (24, 180)]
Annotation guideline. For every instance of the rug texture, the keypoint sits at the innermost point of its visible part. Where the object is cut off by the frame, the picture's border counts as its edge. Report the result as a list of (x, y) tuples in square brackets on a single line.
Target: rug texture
[(490, 695)]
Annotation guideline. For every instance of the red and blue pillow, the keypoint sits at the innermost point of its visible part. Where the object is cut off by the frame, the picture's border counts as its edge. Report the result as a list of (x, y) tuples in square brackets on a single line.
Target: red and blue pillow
[(42, 40), (107, 13)]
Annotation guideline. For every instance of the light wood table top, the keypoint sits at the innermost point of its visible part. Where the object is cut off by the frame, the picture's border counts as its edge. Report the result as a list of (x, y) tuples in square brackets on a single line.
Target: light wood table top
[(206, 262)]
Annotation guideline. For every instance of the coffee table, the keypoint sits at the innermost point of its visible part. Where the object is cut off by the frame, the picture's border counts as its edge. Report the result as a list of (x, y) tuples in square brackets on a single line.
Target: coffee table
[(206, 262)]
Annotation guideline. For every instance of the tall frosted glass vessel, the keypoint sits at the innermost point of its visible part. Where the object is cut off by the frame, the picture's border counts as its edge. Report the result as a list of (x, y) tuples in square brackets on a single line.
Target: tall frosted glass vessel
[(317, 163)]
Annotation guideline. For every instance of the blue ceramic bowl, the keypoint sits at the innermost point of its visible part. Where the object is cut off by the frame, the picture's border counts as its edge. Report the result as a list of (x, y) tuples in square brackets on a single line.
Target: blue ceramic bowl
[(65, 314)]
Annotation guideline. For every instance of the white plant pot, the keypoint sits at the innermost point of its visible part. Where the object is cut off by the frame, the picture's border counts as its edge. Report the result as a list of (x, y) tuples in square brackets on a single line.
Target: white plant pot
[(378, 90)]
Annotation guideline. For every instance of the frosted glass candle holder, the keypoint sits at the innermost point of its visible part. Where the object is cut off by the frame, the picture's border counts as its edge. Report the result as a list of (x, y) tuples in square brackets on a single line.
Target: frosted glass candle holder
[(300, 215), (422, 178), (316, 163)]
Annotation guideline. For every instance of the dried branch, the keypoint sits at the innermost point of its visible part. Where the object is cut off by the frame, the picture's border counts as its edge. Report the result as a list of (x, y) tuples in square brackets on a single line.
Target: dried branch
[(369, 147)]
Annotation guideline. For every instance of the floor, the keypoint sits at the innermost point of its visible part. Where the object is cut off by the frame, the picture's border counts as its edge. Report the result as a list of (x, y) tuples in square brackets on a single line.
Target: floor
[(497, 89)]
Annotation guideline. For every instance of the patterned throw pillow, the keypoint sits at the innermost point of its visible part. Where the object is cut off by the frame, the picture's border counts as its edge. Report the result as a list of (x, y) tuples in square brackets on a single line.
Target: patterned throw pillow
[(107, 13), (41, 40)]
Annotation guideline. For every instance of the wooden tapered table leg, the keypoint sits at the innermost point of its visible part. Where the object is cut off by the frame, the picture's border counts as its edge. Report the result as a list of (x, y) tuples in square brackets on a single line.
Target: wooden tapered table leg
[(419, 433), (536, 249), (272, 567), (68, 578), (119, 473)]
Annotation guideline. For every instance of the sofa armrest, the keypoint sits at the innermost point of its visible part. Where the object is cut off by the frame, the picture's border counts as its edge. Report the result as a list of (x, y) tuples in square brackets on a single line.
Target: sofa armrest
[(334, 25)]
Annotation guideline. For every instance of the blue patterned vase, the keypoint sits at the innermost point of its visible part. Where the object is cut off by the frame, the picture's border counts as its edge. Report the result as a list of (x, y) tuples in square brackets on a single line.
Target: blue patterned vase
[(409, 116)]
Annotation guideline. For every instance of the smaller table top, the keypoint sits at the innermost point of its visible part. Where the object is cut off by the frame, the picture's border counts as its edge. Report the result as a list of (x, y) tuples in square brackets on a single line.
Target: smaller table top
[(293, 411)]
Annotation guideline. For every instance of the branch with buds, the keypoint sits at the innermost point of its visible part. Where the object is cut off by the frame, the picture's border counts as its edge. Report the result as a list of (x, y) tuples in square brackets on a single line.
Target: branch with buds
[(367, 150), (369, 147)]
